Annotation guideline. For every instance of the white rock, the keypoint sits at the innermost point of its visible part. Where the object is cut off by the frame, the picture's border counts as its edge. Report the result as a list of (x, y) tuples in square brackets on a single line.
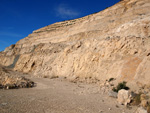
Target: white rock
[(4, 104), (109, 108), (123, 97)]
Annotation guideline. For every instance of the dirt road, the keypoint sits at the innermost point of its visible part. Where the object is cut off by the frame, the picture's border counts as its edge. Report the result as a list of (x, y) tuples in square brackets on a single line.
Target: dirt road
[(59, 96)]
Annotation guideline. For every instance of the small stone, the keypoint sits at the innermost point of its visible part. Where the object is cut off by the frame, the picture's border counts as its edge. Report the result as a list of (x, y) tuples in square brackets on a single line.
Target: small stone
[(117, 106), (112, 94), (4, 104), (7, 87), (109, 108)]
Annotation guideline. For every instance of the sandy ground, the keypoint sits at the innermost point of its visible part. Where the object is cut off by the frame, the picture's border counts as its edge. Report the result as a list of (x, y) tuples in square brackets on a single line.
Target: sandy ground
[(59, 96)]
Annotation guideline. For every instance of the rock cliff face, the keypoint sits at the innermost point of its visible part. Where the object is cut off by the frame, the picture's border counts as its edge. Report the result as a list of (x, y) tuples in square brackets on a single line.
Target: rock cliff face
[(114, 43)]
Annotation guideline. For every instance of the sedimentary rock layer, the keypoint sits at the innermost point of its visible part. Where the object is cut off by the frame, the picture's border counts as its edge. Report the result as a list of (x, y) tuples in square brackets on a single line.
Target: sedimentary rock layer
[(112, 43)]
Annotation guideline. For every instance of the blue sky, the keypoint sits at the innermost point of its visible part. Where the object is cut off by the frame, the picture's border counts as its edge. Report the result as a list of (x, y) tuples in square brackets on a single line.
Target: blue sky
[(18, 18)]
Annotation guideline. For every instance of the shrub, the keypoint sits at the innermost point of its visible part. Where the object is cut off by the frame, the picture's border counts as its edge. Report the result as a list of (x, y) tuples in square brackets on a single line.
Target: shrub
[(137, 99), (111, 79), (45, 76), (120, 86), (54, 76)]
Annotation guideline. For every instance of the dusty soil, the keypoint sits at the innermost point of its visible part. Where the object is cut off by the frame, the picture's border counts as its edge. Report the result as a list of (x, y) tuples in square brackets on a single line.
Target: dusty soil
[(59, 96)]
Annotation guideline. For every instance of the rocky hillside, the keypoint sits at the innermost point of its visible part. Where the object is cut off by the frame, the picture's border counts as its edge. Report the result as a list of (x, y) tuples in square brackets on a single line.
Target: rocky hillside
[(113, 43)]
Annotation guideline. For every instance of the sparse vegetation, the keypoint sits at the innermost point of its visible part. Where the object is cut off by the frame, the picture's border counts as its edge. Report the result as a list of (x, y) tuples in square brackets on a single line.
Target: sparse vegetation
[(53, 77), (120, 86), (45, 76), (137, 99), (111, 79)]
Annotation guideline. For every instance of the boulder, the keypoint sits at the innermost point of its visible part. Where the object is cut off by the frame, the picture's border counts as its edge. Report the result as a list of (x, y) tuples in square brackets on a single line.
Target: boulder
[(123, 97)]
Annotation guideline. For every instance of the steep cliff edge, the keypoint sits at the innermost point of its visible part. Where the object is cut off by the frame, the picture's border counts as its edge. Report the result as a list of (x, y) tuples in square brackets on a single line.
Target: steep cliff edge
[(114, 43)]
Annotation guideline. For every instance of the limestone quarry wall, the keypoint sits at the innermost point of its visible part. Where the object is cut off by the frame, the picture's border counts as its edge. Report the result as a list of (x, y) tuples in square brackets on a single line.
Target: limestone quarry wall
[(123, 58), (112, 43)]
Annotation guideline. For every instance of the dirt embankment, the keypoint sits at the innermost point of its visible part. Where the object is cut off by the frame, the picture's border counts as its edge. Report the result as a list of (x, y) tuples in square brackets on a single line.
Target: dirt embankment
[(10, 80)]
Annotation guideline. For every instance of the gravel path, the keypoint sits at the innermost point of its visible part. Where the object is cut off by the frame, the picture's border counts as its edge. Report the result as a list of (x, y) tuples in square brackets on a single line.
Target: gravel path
[(59, 96)]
